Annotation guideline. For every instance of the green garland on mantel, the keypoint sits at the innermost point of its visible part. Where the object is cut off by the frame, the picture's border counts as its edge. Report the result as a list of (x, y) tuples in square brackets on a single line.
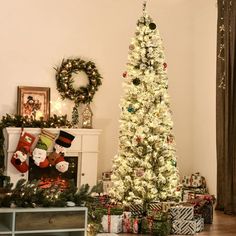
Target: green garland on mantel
[(22, 121)]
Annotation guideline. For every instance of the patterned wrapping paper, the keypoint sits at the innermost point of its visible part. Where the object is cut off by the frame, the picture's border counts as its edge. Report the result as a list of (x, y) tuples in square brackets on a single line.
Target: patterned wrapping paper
[(203, 205), (136, 209), (199, 224), (207, 213), (130, 224), (190, 193), (104, 234), (183, 227), (112, 223), (194, 180), (187, 194), (107, 186), (182, 212), (155, 206), (155, 227), (188, 226), (167, 205)]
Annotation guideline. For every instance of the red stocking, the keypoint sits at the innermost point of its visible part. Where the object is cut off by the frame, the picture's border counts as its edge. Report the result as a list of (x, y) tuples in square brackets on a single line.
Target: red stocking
[(23, 149)]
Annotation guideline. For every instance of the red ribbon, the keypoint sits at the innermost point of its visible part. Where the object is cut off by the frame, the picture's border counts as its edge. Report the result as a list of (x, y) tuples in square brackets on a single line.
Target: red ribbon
[(127, 225), (150, 223), (109, 219), (135, 226)]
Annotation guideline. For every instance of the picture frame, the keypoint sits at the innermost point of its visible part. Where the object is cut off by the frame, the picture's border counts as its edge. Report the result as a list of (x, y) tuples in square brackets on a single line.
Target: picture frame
[(33, 102)]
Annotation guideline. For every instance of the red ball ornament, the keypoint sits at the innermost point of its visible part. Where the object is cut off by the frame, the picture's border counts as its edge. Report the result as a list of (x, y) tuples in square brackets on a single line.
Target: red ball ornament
[(138, 139), (125, 74), (165, 65), (170, 139), (139, 172)]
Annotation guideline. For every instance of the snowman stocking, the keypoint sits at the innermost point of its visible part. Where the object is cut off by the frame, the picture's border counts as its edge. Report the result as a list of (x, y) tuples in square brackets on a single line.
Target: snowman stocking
[(46, 139), (23, 149), (56, 158)]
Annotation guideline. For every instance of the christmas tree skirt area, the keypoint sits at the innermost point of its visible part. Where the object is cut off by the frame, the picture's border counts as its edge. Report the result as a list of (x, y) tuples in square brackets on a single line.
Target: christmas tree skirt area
[(106, 234), (53, 234)]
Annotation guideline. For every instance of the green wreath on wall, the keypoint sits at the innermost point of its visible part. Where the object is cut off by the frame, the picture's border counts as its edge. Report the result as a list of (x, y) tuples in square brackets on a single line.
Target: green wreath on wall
[(65, 80)]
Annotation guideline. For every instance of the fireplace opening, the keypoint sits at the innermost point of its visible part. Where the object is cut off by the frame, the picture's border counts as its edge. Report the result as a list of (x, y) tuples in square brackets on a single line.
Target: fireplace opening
[(50, 175)]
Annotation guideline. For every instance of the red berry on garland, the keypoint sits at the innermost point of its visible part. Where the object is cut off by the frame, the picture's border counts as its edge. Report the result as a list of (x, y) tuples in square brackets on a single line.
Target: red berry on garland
[(125, 74), (165, 65)]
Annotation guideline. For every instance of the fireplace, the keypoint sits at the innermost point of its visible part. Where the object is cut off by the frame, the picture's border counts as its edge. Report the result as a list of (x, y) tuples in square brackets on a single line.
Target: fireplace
[(82, 157), (52, 175)]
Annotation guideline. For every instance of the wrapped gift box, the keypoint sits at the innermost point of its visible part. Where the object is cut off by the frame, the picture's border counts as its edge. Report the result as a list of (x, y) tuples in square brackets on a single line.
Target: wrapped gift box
[(194, 180), (130, 224), (112, 223), (207, 213), (104, 234), (155, 206), (195, 190), (207, 197), (187, 194), (203, 205), (199, 224), (167, 205), (126, 222), (106, 186), (183, 227), (136, 209), (155, 227), (187, 226), (182, 212)]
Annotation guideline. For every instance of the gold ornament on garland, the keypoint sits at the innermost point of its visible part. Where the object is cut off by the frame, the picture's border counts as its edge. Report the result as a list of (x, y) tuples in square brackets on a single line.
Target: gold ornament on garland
[(83, 94)]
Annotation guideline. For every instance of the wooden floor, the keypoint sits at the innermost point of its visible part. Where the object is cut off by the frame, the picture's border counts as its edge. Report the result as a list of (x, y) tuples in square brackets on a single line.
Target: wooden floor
[(223, 225)]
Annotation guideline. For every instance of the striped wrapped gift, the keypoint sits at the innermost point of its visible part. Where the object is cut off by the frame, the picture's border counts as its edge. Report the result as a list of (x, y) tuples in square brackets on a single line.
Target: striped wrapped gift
[(136, 209), (199, 223), (155, 206), (183, 227), (187, 226), (182, 212)]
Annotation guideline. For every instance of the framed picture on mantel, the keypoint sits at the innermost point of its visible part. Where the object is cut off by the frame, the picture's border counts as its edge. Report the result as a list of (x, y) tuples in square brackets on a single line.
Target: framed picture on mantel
[(33, 102)]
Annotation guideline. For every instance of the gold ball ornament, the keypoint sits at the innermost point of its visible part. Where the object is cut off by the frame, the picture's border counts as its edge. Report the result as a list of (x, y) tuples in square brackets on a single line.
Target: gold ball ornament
[(131, 47)]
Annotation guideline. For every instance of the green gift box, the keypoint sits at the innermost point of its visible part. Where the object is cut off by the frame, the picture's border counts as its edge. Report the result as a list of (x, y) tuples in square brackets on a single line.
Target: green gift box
[(155, 227)]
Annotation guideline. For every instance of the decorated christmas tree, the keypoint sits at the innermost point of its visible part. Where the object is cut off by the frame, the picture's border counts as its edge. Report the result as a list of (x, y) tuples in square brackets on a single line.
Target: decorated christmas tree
[(145, 167)]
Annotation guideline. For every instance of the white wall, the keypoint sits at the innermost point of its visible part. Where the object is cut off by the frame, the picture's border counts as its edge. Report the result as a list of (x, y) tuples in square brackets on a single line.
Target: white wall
[(36, 35), (204, 77)]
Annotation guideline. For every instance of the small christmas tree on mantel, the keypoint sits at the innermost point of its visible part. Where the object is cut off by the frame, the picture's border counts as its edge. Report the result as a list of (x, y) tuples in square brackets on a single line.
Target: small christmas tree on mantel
[(145, 166)]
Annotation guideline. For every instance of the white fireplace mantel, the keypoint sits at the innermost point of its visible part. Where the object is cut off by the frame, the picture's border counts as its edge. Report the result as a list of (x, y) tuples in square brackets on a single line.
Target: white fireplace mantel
[(85, 146)]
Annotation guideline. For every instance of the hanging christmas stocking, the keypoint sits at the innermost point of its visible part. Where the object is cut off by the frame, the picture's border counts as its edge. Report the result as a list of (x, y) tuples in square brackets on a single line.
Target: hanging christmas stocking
[(56, 158), (23, 149), (61, 165), (46, 139)]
